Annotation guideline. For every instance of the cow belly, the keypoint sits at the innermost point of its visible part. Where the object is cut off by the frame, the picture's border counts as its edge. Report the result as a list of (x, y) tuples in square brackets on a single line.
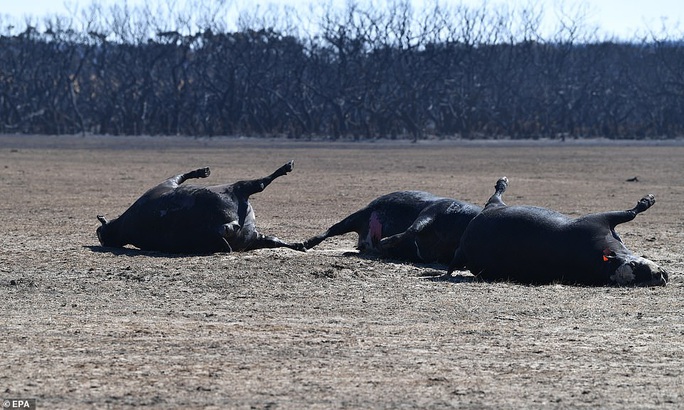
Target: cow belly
[(513, 252), (175, 233)]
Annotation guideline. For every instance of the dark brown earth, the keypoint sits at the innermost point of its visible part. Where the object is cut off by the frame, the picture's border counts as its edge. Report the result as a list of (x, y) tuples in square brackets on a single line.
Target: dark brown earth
[(85, 328)]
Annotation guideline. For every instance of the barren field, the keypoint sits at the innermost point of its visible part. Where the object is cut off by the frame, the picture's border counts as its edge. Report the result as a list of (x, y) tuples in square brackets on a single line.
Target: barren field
[(83, 327)]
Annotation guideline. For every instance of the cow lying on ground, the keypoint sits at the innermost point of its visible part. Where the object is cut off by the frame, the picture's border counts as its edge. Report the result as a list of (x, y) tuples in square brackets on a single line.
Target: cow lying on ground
[(191, 219), (537, 245), (413, 226)]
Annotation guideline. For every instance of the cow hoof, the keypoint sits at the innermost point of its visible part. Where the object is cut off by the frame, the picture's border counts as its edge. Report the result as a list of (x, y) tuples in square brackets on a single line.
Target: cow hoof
[(501, 184), (198, 173), (645, 203)]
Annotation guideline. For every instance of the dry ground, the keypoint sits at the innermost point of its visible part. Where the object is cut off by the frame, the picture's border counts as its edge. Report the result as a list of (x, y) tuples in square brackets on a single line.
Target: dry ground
[(84, 328)]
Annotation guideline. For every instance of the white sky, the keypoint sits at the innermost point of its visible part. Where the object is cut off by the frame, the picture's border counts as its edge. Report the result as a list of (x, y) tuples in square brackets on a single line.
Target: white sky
[(620, 18)]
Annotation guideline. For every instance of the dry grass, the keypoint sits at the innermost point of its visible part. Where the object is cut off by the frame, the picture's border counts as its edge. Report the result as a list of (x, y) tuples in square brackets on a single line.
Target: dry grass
[(282, 329)]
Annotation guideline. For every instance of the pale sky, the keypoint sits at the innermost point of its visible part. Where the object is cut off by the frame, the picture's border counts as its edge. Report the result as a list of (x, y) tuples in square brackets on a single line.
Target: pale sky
[(620, 18)]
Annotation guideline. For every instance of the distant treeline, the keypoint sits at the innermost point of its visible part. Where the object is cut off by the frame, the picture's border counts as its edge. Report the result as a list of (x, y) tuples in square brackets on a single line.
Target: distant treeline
[(360, 74)]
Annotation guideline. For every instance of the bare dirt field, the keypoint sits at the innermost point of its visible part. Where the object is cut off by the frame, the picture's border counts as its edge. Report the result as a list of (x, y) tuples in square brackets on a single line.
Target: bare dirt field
[(82, 327)]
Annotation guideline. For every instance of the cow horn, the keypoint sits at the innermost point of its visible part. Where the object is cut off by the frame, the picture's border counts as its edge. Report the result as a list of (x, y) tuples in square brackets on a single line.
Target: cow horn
[(102, 219)]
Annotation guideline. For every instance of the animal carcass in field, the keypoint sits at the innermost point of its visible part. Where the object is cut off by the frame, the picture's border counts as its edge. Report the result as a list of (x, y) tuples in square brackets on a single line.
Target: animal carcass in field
[(413, 226), (181, 218), (529, 244)]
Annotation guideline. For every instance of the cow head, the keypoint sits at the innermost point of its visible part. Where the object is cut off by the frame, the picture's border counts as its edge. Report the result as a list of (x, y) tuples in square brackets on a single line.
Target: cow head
[(626, 269), (107, 233)]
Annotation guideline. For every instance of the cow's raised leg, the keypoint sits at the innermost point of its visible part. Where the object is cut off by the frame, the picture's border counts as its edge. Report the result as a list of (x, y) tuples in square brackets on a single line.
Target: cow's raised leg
[(619, 217), (247, 188), (176, 180), (172, 183), (500, 188)]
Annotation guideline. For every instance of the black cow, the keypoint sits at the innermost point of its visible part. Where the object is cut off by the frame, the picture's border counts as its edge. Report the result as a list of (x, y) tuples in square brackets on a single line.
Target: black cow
[(192, 219), (529, 244), (413, 226)]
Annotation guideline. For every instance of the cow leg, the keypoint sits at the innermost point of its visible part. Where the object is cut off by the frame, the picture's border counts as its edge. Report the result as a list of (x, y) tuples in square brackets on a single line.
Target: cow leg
[(176, 180), (247, 188), (408, 236), (394, 240), (500, 188), (172, 183), (619, 217), (352, 223), (265, 241)]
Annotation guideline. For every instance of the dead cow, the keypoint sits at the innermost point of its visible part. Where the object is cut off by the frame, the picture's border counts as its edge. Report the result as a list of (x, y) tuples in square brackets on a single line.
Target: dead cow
[(181, 218), (530, 244), (414, 226)]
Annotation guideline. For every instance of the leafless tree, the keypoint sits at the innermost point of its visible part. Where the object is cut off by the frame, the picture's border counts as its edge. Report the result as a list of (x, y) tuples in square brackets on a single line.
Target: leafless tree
[(356, 71)]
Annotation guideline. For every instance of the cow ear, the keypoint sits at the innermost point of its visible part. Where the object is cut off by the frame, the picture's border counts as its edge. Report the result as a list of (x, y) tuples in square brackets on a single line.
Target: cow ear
[(102, 219), (608, 255)]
